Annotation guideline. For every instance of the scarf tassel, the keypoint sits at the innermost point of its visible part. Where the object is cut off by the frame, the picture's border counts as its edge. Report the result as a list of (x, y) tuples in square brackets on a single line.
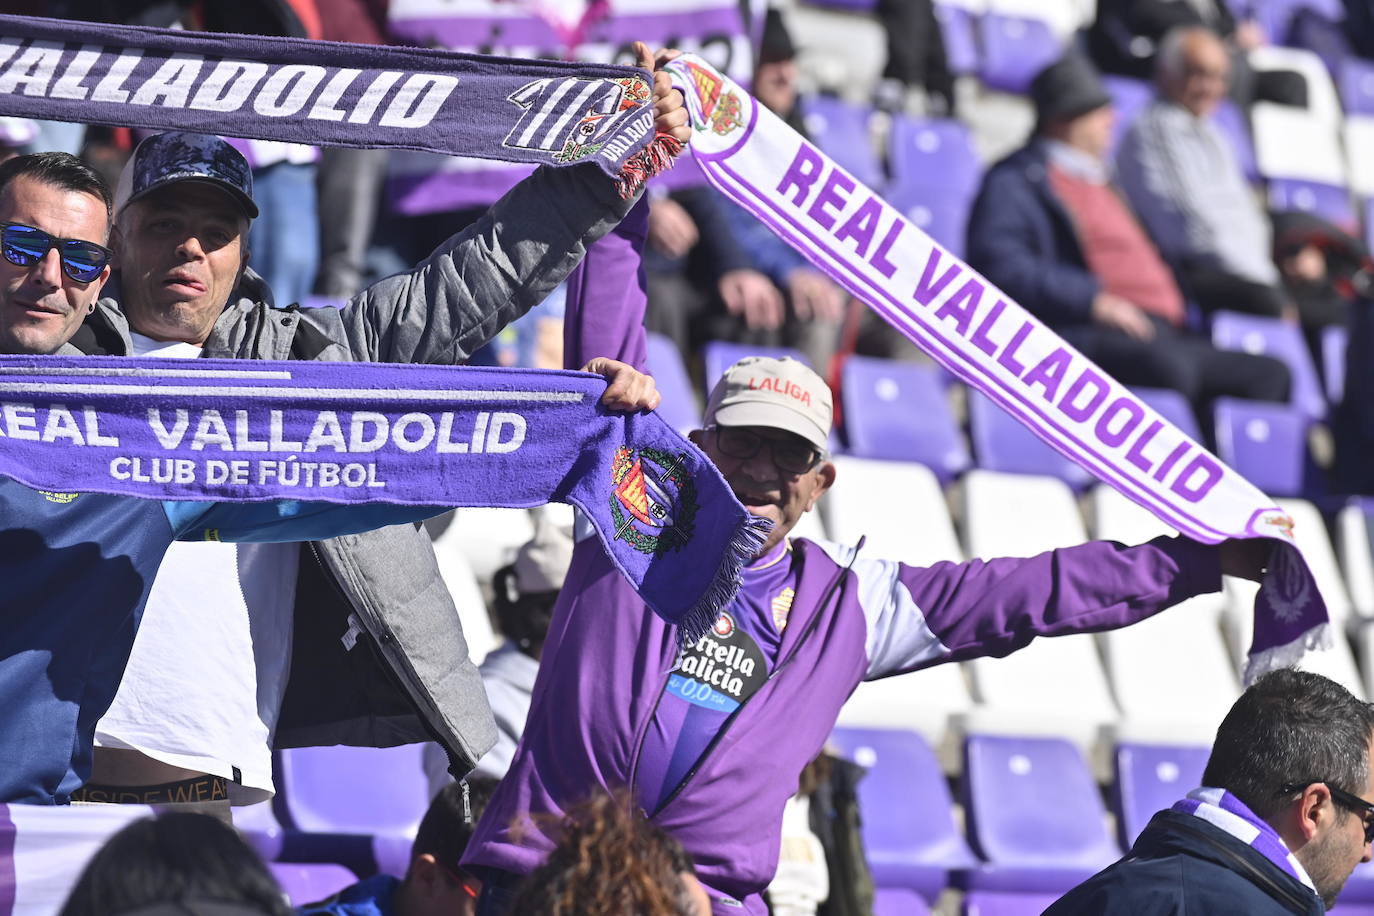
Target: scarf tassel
[(742, 550), (655, 158), (1288, 655)]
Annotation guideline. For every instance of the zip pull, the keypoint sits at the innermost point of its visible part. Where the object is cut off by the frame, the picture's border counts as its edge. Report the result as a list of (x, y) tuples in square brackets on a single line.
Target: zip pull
[(467, 802), (355, 629)]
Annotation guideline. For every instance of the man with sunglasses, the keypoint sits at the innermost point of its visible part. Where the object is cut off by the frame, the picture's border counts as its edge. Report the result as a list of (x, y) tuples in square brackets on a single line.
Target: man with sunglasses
[(712, 737), (1283, 816)]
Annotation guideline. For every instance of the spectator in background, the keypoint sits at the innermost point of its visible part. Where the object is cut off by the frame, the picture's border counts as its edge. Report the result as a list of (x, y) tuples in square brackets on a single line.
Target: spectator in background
[(435, 884), (1183, 178), (524, 595), (192, 863), (1322, 267), (1125, 35), (612, 861), (1051, 229), (916, 77), (1282, 818)]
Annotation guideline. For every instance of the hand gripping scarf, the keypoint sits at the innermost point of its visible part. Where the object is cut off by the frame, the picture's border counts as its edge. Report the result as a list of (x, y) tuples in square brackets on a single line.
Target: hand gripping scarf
[(211, 429), (330, 93), (975, 331)]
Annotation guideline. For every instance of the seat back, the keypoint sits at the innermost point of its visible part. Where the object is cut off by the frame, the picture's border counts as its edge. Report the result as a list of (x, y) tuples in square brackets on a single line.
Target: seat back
[(1281, 340), (899, 411), (1129, 98), (311, 882), (664, 363), (720, 355), (880, 501), (933, 152), (1015, 49), (938, 211), (1331, 202), (1355, 83), (1150, 778), (960, 35), (354, 789), (1032, 802), (841, 130), (1003, 443), (1265, 443), (1230, 120), (1173, 407)]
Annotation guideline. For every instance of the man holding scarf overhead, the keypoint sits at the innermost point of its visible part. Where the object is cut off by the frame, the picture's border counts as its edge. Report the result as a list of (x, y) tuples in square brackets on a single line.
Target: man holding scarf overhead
[(186, 289)]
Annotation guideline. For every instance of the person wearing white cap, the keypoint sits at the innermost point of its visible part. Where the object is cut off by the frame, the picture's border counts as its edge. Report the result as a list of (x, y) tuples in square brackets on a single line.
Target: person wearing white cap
[(712, 736)]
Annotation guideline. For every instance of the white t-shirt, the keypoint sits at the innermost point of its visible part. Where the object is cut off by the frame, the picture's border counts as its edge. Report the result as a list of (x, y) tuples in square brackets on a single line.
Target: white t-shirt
[(205, 681)]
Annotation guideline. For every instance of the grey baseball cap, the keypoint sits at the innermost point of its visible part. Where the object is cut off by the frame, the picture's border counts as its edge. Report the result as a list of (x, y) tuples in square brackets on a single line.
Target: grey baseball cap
[(175, 156), (781, 393)]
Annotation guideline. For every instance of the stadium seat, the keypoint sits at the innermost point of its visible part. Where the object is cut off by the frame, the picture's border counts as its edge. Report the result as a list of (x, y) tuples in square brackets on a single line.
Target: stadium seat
[(1265, 442), (992, 903), (933, 152), (1003, 443), (1276, 16), (260, 827), (1296, 143), (1353, 545), (1323, 103), (1276, 338), (1358, 136), (1335, 339), (898, 901), (841, 130), (664, 362), (1053, 686), (310, 882), (1129, 98), (1150, 778), (1355, 82), (961, 42), (899, 507), (1034, 814), (720, 355), (909, 832), (900, 411), (1173, 407), (940, 212), (353, 789), (1201, 685), (1331, 202), (1015, 49)]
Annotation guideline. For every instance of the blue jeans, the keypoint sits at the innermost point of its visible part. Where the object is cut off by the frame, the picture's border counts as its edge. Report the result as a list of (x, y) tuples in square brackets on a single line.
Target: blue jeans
[(285, 239)]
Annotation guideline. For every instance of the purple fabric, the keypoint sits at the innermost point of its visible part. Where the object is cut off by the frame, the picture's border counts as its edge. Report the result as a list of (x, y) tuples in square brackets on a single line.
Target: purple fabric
[(416, 435), (604, 313), (1224, 811), (542, 112), (606, 664)]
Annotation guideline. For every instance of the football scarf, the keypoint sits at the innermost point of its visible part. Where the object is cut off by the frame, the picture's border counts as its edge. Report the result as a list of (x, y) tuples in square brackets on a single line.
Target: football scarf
[(1224, 811), (978, 333), (335, 94), (222, 430)]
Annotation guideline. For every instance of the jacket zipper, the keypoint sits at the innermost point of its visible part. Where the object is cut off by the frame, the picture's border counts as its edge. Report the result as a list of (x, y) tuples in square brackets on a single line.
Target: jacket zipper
[(811, 625)]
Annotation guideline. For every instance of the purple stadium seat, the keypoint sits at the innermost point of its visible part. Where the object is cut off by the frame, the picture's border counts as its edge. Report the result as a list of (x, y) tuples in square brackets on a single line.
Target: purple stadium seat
[(908, 824), (1150, 778), (1277, 15), (1173, 407), (961, 44), (841, 130), (1231, 121), (319, 302), (1002, 443), (1034, 813), (1334, 341), (1129, 98), (899, 411), (1355, 82), (898, 901), (309, 883), (664, 362), (353, 789), (941, 212), (992, 903), (1266, 443), (260, 827), (1330, 202), (1015, 50), (720, 355), (933, 152), (1276, 338)]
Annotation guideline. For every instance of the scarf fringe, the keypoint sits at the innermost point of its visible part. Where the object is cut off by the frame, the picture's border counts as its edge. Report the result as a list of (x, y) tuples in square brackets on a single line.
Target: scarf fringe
[(654, 159), (743, 548), (1288, 655)]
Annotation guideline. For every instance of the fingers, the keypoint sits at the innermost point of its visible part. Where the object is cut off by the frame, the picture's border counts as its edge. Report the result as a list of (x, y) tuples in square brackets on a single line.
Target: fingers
[(663, 55), (644, 58), (627, 388)]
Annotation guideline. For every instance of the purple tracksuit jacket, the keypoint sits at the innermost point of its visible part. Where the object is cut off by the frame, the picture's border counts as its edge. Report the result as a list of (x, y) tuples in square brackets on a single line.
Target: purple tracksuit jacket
[(607, 660)]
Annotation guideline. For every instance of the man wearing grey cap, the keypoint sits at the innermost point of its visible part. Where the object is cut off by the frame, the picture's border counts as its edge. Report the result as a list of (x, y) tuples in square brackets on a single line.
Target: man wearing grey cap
[(344, 641), (712, 737)]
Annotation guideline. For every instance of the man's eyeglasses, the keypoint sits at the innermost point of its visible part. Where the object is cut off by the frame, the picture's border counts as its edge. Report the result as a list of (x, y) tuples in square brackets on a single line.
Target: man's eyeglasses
[(1344, 799), (792, 455), (25, 246)]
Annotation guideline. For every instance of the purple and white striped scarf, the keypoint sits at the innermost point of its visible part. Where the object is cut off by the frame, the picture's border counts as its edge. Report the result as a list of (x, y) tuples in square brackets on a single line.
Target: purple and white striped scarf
[(1227, 813), (982, 336)]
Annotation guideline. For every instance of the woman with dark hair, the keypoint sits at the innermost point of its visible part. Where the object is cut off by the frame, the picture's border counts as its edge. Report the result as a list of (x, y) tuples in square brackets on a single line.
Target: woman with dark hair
[(611, 861), (176, 863)]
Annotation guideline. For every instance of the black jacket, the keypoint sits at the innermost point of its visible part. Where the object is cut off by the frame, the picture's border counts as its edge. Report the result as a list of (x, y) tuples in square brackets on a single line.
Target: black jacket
[(1182, 864)]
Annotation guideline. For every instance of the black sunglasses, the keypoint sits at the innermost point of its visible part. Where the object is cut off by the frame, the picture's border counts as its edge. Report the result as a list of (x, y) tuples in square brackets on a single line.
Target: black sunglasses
[(25, 246), (792, 455), (1344, 799)]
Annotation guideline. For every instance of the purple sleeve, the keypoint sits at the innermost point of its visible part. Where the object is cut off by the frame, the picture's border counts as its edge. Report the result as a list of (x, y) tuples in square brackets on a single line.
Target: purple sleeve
[(606, 296), (994, 607)]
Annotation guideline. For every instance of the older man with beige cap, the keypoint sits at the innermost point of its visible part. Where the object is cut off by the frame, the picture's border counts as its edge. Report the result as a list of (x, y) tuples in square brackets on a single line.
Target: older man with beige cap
[(711, 736)]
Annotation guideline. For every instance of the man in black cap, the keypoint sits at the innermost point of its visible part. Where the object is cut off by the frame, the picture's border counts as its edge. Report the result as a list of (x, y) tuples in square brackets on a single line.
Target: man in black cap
[(1051, 229)]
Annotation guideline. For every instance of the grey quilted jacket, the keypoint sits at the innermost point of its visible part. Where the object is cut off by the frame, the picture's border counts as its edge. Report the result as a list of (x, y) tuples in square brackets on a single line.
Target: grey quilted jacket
[(409, 677)]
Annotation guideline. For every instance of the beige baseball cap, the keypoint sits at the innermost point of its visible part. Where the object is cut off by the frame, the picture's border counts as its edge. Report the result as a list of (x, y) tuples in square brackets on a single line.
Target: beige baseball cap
[(780, 393), (542, 563)]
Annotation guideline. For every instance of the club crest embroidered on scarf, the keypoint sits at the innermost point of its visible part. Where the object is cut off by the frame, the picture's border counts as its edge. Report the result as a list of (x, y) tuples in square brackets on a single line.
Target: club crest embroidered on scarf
[(653, 500)]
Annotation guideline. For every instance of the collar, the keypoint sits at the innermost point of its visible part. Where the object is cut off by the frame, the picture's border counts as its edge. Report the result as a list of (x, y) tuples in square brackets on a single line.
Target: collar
[(1229, 814), (1076, 163), (773, 557)]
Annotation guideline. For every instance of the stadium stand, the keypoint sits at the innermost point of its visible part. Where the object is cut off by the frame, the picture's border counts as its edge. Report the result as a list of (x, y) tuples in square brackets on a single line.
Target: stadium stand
[(879, 422), (1266, 443), (1150, 778), (1001, 443)]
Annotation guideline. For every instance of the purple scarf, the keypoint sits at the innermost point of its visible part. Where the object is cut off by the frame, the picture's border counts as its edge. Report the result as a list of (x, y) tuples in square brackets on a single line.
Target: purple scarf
[(227, 430), (330, 93), (1227, 813), (978, 333)]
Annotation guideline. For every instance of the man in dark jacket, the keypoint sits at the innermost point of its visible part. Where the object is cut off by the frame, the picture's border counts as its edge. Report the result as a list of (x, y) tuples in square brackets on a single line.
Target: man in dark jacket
[(1281, 821), (1051, 229)]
